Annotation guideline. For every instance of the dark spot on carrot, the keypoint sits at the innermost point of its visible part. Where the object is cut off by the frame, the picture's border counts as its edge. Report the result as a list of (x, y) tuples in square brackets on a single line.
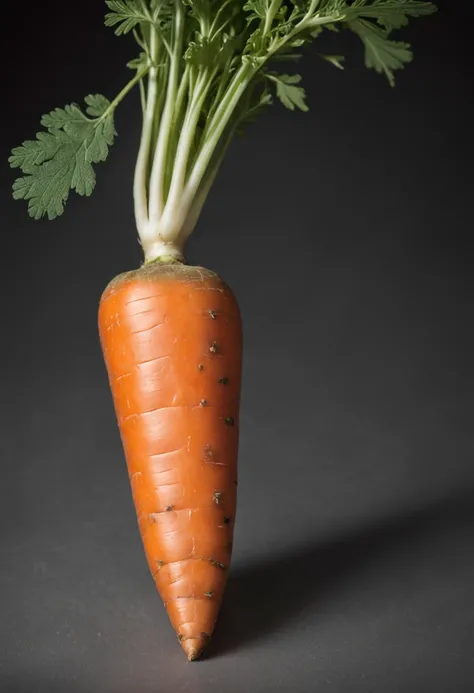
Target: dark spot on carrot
[(180, 636), (218, 564), (205, 635), (214, 348), (224, 381), (201, 367), (217, 497), (227, 520), (230, 421), (213, 314), (160, 564), (168, 508), (236, 482), (203, 403), (209, 595)]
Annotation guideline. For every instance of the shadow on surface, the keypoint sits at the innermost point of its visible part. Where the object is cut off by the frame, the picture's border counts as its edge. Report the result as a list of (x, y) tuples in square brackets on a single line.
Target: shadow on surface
[(40, 685), (266, 596)]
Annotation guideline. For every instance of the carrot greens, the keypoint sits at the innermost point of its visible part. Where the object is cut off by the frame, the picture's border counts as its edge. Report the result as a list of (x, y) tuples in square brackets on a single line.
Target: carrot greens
[(204, 68)]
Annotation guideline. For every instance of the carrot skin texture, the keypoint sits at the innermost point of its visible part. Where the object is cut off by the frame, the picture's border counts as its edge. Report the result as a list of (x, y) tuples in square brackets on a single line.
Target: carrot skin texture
[(171, 336)]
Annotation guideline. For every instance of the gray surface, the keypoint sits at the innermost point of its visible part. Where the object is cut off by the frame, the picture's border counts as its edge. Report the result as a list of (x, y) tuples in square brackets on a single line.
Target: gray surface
[(353, 563), (347, 577)]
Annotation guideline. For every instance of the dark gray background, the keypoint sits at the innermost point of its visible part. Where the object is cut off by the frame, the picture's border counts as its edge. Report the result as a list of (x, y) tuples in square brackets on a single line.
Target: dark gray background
[(345, 234)]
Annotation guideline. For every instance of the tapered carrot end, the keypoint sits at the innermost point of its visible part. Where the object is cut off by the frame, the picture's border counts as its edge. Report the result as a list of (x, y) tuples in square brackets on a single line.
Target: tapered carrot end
[(193, 647)]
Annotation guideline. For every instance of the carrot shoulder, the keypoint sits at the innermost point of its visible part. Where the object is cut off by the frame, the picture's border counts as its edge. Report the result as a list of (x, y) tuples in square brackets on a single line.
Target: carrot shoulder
[(172, 342)]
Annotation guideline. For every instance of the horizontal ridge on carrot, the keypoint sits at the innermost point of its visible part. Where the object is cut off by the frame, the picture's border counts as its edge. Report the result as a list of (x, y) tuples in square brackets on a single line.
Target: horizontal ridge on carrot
[(171, 333)]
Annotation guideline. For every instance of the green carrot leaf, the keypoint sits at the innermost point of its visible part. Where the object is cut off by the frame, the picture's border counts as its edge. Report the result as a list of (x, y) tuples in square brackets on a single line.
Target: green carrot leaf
[(290, 95), (391, 14), (335, 60), (138, 63), (125, 15), (97, 104), (61, 158), (381, 53)]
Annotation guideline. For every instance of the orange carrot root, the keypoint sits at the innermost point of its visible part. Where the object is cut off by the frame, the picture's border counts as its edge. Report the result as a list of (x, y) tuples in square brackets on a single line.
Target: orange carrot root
[(172, 342)]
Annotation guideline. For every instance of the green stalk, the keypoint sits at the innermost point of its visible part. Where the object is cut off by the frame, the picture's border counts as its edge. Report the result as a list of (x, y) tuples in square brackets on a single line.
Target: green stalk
[(141, 168), (157, 178), (173, 199), (142, 95), (220, 120), (161, 79), (220, 93), (123, 93), (312, 7), (218, 14), (204, 189), (185, 144), (273, 9), (179, 116)]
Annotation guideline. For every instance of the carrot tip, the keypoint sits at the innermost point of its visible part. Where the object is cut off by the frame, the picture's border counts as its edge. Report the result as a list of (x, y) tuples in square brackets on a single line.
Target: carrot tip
[(193, 648)]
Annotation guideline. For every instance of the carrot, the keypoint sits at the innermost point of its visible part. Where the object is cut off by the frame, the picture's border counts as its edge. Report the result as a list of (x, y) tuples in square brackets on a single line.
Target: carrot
[(172, 343), (170, 333)]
